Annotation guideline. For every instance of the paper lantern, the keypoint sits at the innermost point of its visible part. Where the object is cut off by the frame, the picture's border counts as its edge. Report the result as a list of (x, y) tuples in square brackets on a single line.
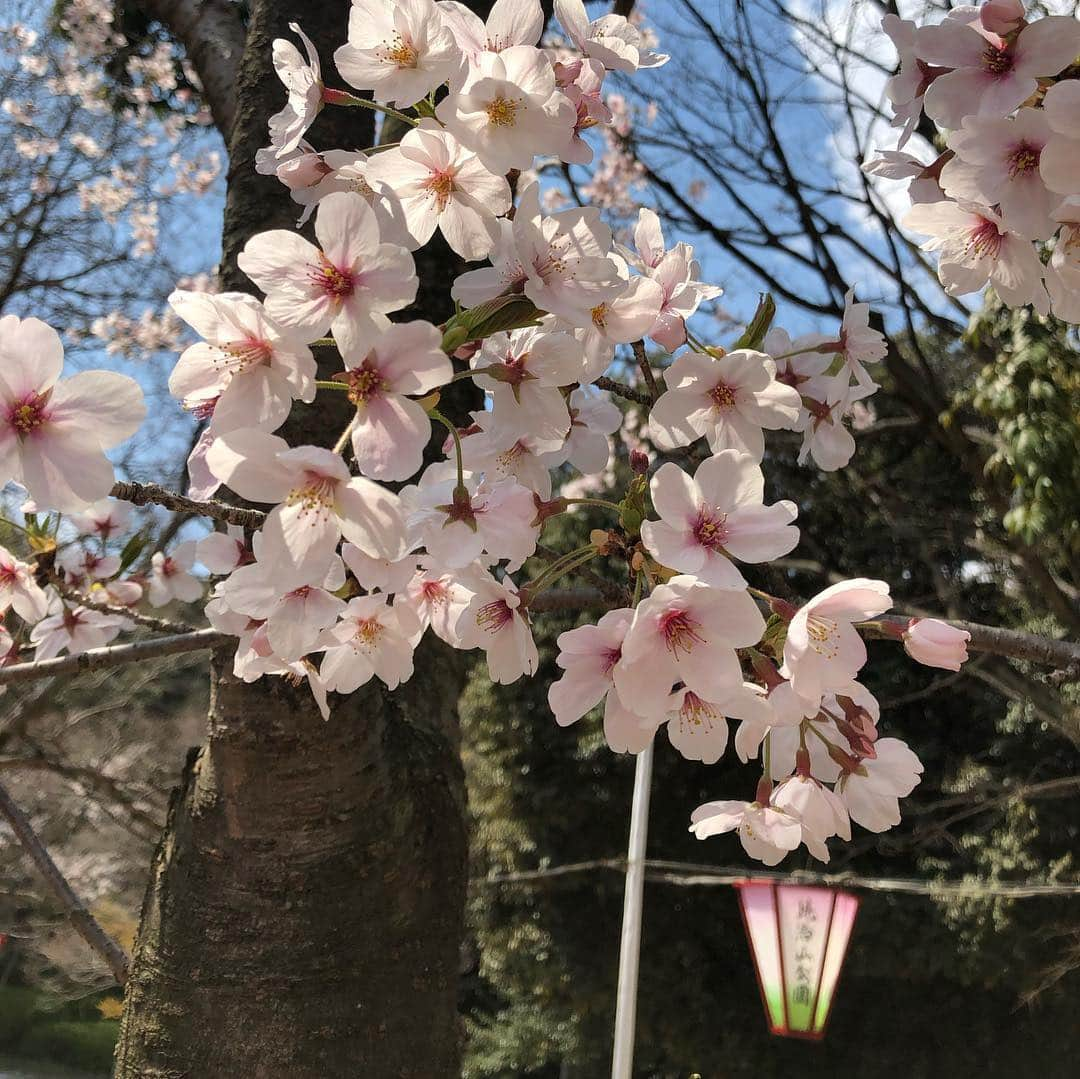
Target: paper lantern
[(798, 935)]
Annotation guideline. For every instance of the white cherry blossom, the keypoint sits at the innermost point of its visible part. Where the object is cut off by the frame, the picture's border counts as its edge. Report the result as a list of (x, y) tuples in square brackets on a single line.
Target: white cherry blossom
[(495, 621), (372, 640)]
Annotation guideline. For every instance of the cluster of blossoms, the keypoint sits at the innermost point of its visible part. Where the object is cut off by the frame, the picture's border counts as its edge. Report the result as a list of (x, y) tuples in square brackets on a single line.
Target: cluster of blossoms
[(1001, 203), (366, 545)]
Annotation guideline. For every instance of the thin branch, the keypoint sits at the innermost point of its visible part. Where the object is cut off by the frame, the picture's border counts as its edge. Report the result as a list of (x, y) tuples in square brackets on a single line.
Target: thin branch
[(84, 922), (115, 655), (146, 494), (159, 625), (622, 390)]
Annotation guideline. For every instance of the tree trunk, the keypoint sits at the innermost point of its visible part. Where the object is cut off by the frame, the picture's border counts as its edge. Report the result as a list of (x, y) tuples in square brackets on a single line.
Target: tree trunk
[(305, 909)]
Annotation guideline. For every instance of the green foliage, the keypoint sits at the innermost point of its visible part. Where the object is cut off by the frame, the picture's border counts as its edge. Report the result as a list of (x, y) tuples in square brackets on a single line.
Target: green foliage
[(1030, 390), (79, 1045), (17, 1005)]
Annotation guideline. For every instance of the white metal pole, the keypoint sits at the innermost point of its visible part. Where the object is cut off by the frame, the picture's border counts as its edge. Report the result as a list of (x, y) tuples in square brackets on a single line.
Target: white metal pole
[(622, 1060)]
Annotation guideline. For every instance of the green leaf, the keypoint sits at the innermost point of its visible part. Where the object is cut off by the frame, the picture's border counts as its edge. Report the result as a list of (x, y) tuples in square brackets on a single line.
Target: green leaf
[(754, 334)]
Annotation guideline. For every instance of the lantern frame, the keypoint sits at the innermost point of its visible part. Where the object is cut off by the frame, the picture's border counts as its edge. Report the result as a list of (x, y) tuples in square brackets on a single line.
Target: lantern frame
[(842, 907)]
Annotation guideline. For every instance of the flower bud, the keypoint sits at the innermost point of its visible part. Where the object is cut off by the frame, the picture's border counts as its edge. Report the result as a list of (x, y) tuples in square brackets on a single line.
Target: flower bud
[(936, 644), (639, 462)]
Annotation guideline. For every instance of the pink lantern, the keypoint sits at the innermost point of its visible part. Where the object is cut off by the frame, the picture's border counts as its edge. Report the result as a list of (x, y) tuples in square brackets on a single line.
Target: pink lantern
[(798, 934)]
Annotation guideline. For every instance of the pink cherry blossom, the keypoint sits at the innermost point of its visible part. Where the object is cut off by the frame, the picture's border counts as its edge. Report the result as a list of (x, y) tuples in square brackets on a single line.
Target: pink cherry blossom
[(103, 519), (495, 621), (698, 728), (74, 628), (510, 22), (378, 574), (19, 590), (871, 795), (293, 620), (391, 429), (593, 416), (619, 320), (726, 400), (438, 598), (222, 552), (560, 262), (685, 631), (819, 811), (990, 76), (676, 272), (766, 833), (400, 51), (509, 109), (341, 285), (317, 502), (171, 577), (247, 369), (500, 453), (457, 526), (442, 185), (523, 371), (936, 643), (53, 434), (825, 438), (717, 516), (859, 342), (997, 162), (823, 650), (611, 39), (303, 81), (975, 248), (582, 83), (372, 640), (81, 564), (906, 88)]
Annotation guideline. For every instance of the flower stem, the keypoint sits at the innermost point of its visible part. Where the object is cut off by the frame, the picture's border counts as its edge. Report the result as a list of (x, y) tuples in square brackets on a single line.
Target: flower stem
[(343, 438), (592, 502), (559, 568), (330, 384), (437, 415), (342, 97)]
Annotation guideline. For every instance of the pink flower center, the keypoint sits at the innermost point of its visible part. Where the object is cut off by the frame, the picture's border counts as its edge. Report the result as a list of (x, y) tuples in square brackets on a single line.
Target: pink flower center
[(435, 594), (332, 280), (202, 410), (1024, 159), (399, 51), (997, 62), (502, 111), (696, 715), (440, 185), (723, 396), (367, 634), (680, 632), (365, 383), (824, 638), (251, 352), (299, 593), (985, 238), (9, 575), (609, 658), (29, 414), (315, 495), (710, 530), (493, 616)]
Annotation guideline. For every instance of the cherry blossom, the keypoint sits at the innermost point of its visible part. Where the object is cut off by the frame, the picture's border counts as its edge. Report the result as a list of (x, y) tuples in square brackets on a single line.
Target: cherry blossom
[(293, 620), (303, 81), (593, 416), (675, 271), (716, 516), (727, 400), (378, 574), (685, 631), (987, 75), (171, 577), (767, 834), (81, 564), (442, 185), (871, 793), (936, 644), (698, 728), (823, 650), (611, 39), (400, 51), (510, 22), (72, 628), (819, 811), (19, 590), (523, 371), (438, 598), (500, 453), (343, 284), (582, 83), (495, 621), (103, 519), (975, 247), (509, 109), (457, 525), (391, 430), (619, 320), (247, 370), (222, 552), (997, 162), (372, 640), (53, 434), (317, 501)]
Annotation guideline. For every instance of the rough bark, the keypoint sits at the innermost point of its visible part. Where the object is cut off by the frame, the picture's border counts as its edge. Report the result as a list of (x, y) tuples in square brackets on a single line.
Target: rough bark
[(304, 912), (305, 909)]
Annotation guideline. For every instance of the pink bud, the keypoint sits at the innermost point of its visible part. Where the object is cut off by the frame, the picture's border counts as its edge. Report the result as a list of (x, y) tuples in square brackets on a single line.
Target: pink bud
[(1002, 16), (936, 644), (639, 463), (303, 171)]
